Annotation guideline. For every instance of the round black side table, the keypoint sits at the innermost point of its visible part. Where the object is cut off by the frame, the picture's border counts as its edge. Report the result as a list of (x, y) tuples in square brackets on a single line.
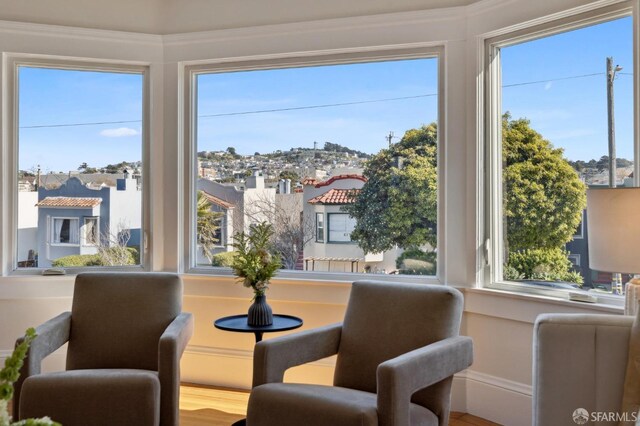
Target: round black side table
[(238, 323)]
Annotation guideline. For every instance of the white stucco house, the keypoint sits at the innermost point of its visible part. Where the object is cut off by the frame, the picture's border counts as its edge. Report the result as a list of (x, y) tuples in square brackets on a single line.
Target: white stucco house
[(75, 219), (332, 249)]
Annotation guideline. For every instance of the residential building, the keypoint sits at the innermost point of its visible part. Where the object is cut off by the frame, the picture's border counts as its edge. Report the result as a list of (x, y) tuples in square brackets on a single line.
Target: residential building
[(241, 205), (331, 249), (75, 219)]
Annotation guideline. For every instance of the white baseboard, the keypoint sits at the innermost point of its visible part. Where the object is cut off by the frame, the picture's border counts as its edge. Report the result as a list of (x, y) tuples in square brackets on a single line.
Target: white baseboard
[(496, 399)]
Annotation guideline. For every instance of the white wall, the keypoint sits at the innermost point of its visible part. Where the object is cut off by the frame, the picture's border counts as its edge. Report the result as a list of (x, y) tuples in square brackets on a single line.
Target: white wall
[(27, 223), (498, 386)]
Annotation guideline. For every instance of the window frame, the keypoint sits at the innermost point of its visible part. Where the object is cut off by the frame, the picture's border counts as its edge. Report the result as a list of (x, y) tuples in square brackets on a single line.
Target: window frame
[(188, 140), (329, 240), (52, 232), (84, 231), (320, 227), (489, 131), (9, 158)]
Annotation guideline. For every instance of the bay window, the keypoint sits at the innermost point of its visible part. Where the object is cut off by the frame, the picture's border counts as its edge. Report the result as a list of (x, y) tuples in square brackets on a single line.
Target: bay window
[(560, 119), (78, 163), (336, 149)]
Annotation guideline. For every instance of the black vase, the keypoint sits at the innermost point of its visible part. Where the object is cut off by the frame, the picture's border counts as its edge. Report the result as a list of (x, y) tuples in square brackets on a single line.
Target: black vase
[(260, 313)]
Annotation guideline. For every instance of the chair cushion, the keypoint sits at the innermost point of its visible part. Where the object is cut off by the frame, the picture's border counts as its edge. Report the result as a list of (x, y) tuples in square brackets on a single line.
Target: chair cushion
[(289, 404), (385, 320), (117, 319), (93, 397)]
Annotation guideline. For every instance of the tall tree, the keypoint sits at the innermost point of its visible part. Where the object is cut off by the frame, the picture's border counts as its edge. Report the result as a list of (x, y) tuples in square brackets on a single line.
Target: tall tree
[(543, 195), (398, 203)]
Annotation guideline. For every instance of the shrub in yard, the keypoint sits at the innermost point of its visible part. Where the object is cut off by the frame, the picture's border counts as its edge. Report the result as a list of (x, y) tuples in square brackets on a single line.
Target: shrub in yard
[(77, 260), (548, 264), (417, 262), (127, 256), (223, 259)]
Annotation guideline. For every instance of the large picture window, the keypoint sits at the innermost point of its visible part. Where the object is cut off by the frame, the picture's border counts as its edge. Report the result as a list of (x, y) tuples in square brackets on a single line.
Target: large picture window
[(341, 226), (80, 149), (354, 144), (65, 231), (562, 122)]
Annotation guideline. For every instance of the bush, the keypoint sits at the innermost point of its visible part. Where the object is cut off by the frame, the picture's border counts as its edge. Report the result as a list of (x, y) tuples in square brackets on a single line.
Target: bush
[(77, 260), (417, 262), (82, 260), (223, 259), (541, 264)]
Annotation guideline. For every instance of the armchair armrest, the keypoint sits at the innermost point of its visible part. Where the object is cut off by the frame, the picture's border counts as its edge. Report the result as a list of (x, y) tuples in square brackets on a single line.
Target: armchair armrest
[(170, 349), (50, 336), (273, 357), (401, 377)]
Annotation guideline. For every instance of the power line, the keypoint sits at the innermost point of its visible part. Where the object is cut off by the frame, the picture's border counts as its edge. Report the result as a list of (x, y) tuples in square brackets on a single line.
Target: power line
[(525, 83), (97, 123), (227, 114), (224, 114)]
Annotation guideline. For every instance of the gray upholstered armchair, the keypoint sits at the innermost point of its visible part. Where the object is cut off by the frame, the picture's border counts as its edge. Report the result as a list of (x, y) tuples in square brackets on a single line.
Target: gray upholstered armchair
[(579, 361), (398, 349), (126, 334)]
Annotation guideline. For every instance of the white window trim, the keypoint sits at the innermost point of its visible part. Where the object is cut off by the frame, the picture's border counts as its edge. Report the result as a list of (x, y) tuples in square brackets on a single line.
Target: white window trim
[(187, 140), (329, 240), (9, 152), (579, 235), (489, 128), (53, 219), (84, 231), (577, 259), (318, 228)]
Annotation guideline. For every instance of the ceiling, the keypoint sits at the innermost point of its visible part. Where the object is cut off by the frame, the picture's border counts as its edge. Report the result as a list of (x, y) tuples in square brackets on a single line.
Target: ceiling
[(182, 16)]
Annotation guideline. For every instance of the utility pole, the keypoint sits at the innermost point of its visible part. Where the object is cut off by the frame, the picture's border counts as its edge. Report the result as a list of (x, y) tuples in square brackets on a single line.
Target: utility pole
[(611, 75), (616, 279), (389, 137)]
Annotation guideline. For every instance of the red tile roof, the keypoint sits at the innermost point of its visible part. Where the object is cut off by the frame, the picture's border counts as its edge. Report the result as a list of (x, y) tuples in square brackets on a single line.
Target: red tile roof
[(340, 177), (309, 181), (217, 201), (62, 202), (335, 196)]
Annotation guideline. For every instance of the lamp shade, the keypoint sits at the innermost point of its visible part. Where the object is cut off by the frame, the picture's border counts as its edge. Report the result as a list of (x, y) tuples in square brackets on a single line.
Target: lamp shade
[(613, 226)]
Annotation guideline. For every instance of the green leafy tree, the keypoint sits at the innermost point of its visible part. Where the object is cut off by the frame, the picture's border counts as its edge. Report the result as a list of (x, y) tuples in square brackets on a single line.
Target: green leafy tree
[(543, 195), (398, 203), (208, 224), (288, 174)]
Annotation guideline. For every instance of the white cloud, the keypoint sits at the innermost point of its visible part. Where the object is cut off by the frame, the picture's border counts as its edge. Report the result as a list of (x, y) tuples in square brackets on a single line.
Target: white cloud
[(119, 132), (548, 85)]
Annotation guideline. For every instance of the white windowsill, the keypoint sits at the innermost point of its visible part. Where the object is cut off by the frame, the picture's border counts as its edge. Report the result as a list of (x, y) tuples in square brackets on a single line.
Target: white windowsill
[(526, 307)]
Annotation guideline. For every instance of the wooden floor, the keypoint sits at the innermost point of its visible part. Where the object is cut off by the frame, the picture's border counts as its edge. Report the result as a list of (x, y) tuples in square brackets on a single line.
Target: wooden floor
[(200, 406)]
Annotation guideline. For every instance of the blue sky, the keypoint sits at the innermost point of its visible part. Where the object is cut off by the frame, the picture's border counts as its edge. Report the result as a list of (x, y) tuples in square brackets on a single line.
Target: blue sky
[(571, 112), (60, 97), (360, 126)]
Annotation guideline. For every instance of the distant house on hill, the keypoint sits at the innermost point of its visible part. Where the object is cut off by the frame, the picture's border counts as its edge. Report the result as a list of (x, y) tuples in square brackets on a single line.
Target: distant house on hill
[(75, 219), (92, 180)]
